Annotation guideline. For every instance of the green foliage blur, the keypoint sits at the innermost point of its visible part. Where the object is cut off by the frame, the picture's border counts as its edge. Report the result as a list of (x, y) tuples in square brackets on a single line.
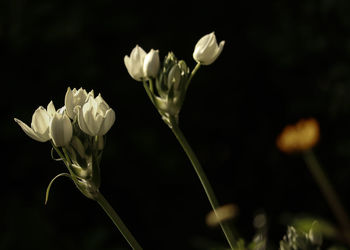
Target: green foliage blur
[(283, 60)]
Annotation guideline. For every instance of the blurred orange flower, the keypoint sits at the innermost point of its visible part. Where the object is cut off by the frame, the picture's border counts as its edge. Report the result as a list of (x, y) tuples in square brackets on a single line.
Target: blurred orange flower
[(299, 137), (221, 214)]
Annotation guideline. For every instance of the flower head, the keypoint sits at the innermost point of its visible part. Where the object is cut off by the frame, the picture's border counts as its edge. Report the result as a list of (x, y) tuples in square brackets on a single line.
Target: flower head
[(41, 120), (95, 117), (207, 49), (299, 137)]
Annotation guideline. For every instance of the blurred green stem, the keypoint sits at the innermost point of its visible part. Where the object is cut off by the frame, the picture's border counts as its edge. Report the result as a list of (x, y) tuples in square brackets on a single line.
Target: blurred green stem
[(118, 222), (328, 192), (203, 179)]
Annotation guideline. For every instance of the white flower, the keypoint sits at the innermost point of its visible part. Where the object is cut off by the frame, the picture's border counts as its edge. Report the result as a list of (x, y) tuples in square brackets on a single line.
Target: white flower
[(134, 63), (207, 49), (74, 98), (151, 64), (41, 120), (95, 117), (61, 129)]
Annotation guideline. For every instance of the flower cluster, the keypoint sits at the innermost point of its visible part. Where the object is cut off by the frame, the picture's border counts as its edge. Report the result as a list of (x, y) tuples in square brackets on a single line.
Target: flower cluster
[(77, 134), (166, 84)]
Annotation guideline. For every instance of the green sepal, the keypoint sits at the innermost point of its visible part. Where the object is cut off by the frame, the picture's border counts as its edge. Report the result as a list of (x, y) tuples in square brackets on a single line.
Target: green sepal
[(51, 182)]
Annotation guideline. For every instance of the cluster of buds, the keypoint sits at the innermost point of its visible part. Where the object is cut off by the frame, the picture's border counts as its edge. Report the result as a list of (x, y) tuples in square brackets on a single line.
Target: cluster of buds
[(76, 132), (166, 84)]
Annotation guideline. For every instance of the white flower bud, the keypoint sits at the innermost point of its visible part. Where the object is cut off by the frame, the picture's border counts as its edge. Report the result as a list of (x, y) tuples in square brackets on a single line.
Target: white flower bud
[(174, 77), (151, 64), (41, 119), (207, 49), (61, 129), (95, 117), (134, 63)]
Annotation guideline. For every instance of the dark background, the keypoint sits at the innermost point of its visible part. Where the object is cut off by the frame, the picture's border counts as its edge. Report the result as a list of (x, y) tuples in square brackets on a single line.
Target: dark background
[(283, 60)]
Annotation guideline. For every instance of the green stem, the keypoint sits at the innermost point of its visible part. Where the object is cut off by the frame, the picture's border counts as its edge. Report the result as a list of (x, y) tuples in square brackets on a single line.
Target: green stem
[(203, 179), (117, 221), (194, 71), (328, 192), (148, 91)]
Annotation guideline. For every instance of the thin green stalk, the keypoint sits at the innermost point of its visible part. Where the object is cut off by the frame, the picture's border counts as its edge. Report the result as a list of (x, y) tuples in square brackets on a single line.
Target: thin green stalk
[(194, 71), (117, 222), (203, 179), (148, 91), (328, 192)]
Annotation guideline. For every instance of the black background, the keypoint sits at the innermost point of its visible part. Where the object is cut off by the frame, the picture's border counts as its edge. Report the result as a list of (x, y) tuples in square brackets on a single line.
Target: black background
[(283, 60)]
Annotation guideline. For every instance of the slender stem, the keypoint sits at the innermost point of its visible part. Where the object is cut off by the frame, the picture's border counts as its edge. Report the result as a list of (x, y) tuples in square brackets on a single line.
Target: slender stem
[(117, 221), (148, 91), (203, 179), (194, 71), (328, 192)]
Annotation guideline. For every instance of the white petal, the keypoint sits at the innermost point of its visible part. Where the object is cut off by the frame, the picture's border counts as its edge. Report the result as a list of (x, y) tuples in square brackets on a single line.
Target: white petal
[(68, 102), (215, 54), (61, 130), (30, 132), (91, 123), (81, 121), (80, 97), (205, 42), (107, 122), (151, 64), (102, 106), (134, 63), (61, 110), (96, 125), (92, 119), (91, 93), (127, 63), (41, 122), (51, 109)]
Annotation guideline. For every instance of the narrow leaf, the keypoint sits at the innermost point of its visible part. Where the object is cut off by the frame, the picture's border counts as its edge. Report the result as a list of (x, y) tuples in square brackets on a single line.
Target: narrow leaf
[(49, 186)]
